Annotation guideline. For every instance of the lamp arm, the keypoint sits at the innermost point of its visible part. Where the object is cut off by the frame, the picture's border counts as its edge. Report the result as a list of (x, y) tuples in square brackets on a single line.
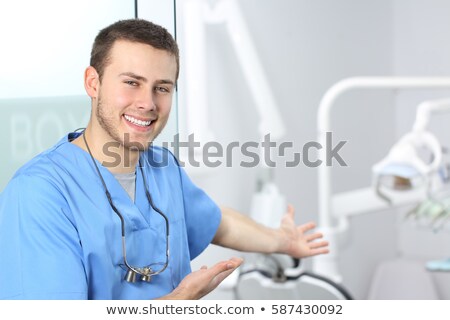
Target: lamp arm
[(426, 108)]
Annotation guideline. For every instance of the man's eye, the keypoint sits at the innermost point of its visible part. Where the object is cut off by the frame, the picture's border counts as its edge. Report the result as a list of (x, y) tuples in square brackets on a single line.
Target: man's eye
[(131, 83), (162, 89)]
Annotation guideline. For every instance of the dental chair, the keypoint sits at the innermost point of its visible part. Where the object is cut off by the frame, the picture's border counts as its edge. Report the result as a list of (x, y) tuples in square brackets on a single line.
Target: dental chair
[(279, 277)]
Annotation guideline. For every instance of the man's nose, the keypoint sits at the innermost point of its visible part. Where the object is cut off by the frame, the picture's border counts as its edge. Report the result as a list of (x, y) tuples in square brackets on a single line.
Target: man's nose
[(146, 100)]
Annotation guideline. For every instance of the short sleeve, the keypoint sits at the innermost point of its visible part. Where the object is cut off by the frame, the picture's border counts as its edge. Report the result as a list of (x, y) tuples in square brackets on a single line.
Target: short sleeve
[(41, 255), (202, 216)]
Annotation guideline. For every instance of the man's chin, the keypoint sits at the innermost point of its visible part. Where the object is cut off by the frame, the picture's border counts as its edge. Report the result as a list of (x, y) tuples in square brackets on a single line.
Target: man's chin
[(137, 146)]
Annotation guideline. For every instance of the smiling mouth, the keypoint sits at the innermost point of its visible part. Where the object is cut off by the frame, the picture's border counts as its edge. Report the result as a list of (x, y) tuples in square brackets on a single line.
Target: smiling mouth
[(138, 122)]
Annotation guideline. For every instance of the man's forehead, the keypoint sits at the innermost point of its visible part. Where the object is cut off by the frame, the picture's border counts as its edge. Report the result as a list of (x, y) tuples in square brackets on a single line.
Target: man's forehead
[(124, 51)]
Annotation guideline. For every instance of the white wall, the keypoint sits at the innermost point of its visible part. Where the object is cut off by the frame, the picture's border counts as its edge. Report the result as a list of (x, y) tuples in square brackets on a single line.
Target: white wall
[(305, 47)]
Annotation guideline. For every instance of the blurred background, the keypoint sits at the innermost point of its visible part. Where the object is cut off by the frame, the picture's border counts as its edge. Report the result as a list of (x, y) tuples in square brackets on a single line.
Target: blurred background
[(250, 68)]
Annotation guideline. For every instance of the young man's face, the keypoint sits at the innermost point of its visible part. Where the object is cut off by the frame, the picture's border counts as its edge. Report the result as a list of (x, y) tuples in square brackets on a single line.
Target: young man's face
[(135, 93)]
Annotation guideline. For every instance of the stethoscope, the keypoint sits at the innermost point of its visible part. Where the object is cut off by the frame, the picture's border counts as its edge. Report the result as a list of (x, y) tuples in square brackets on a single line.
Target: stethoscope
[(133, 273)]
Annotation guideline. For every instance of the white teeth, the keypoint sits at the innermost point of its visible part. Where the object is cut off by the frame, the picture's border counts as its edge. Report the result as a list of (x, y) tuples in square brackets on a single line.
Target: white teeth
[(137, 122)]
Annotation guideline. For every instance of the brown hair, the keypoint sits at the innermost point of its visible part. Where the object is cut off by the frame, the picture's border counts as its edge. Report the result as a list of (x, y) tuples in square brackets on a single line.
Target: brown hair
[(134, 30)]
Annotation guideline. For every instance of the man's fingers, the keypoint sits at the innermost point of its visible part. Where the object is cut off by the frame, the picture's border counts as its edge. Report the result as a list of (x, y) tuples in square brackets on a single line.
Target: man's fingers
[(290, 211), (315, 252), (319, 244), (236, 261), (223, 269), (314, 236), (224, 266), (306, 227), (221, 276)]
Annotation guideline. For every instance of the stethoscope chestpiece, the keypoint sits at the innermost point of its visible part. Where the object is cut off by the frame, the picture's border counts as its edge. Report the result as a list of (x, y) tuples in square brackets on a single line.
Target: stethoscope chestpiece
[(146, 274), (132, 275), (146, 278)]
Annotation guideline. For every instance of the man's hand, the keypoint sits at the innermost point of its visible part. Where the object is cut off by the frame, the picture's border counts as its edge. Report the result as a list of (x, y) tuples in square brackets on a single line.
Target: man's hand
[(239, 232), (199, 283), (295, 240)]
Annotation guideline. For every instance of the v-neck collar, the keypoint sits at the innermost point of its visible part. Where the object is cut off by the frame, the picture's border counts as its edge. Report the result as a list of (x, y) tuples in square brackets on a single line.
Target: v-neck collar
[(137, 212)]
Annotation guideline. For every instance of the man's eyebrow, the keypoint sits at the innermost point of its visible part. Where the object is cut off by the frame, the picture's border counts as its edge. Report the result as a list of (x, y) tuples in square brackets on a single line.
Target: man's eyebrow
[(164, 81), (144, 79), (133, 75)]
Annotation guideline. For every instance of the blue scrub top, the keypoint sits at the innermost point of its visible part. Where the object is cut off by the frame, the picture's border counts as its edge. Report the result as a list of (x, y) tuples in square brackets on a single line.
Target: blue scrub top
[(60, 239)]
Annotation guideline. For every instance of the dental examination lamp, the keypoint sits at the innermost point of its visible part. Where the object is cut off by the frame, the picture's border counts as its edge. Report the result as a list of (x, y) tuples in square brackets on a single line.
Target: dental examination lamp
[(402, 169)]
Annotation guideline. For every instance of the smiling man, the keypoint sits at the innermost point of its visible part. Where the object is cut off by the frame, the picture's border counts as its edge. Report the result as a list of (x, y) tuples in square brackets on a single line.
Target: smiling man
[(72, 227), (131, 98)]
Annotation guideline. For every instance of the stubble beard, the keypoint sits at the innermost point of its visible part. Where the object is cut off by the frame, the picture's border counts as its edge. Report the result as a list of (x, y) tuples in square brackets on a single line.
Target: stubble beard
[(107, 124)]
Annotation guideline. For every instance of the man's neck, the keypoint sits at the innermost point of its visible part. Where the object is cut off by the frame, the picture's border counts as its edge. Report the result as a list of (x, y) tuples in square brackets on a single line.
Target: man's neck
[(111, 154)]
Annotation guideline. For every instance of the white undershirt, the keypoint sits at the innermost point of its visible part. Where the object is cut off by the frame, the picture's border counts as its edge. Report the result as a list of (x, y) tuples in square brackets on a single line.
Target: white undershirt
[(128, 182)]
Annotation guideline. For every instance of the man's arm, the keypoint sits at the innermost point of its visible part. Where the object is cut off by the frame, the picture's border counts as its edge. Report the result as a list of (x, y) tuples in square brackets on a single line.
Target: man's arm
[(237, 231), (39, 242)]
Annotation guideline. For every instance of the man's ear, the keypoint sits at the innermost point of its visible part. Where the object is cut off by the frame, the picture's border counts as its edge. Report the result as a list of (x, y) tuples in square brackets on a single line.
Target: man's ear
[(91, 82)]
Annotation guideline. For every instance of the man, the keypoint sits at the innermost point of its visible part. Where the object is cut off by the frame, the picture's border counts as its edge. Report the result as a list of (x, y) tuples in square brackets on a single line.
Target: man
[(79, 223)]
